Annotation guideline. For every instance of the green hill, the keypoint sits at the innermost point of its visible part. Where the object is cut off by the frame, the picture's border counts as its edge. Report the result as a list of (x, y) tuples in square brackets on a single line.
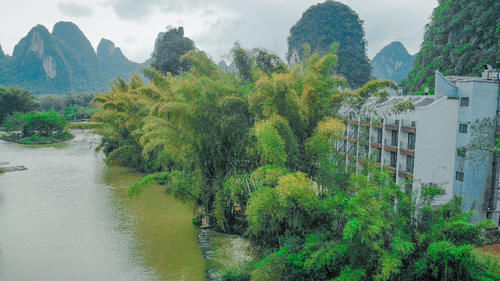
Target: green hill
[(60, 62), (113, 63), (393, 62), (326, 23), (461, 37)]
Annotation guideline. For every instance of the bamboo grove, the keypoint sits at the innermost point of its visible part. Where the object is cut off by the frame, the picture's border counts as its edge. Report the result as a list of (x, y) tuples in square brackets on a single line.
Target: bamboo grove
[(255, 152)]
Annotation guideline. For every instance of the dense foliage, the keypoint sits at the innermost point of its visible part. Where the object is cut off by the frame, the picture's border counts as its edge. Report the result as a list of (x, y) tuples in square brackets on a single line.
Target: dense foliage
[(15, 100), (461, 37), (63, 61), (392, 62), (170, 46), (36, 128), (256, 152), (73, 107), (326, 23)]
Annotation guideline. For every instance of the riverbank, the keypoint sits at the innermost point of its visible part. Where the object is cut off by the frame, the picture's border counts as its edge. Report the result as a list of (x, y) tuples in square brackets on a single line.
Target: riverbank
[(168, 240)]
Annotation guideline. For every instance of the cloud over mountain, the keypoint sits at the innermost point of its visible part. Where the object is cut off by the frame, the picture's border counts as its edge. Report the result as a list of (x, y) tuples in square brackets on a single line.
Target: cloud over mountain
[(73, 9)]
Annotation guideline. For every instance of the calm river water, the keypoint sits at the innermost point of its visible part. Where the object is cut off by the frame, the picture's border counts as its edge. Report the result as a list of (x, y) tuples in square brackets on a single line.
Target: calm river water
[(68, 217)]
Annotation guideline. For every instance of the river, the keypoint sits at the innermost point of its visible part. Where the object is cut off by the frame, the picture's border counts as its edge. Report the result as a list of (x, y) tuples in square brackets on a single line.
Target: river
[(68, 217)]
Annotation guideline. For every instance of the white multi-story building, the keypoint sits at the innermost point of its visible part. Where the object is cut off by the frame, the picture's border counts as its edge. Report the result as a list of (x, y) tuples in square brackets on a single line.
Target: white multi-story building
[(444, 139)]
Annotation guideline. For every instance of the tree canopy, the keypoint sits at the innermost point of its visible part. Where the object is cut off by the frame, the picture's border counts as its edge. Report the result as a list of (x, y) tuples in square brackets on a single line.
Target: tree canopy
[(36, 128), (15, 100)]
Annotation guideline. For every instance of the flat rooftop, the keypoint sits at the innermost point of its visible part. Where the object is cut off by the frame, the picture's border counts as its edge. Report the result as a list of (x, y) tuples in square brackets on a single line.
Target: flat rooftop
[(454, 79)]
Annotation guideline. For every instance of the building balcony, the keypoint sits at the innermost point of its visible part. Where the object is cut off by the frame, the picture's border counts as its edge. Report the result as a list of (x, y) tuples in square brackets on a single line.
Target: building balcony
[(390, 146), (390, 164), (409, 126), (407, 146), (407, 169), (405, 172), (391, 142), (392, 127), (363, 141), (407, 149)]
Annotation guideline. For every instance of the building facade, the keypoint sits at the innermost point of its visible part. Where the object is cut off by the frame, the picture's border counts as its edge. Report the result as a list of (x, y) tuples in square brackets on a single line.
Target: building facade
[(446, 139)]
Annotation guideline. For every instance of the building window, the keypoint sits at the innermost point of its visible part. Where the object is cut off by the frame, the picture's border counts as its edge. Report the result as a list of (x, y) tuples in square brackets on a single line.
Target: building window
[(378, 156), (393, 159), (462, 128), (409, 164), (408, 188), (353, 148), (364, 133), (379, 135), (367, 149), (344, 149), (394, 138), (411, 141), (464, 102), (413, 124), (460, 176)]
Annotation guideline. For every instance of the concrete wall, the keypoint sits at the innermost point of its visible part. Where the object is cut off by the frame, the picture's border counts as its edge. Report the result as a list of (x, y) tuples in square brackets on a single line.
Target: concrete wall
[(476, 187), (443, 87), (435, 146)]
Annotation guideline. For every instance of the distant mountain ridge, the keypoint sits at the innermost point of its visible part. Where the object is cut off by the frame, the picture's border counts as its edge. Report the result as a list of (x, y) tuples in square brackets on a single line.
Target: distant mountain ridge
[(63, 61), (393, 62)]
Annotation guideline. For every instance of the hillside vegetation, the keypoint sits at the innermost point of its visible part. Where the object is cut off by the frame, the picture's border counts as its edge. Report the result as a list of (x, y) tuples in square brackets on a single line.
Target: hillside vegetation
[(461, 37), (327, 23)]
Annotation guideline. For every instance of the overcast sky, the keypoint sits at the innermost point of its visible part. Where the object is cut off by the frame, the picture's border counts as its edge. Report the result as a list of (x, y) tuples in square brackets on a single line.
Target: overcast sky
[(214, 25)]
